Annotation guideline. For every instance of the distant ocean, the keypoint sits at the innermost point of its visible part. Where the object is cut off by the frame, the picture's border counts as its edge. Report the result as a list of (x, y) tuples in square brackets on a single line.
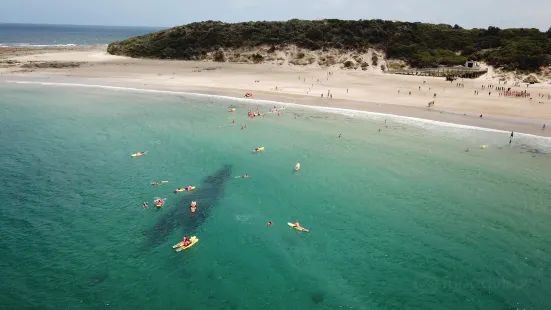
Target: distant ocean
[(400, 216), (20, 35)]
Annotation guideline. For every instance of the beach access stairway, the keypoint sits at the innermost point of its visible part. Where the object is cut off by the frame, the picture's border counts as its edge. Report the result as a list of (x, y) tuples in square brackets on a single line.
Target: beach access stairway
[(455, 72)]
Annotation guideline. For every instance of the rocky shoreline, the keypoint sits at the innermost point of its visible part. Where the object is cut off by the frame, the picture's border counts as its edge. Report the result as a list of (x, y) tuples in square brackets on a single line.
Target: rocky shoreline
[(14, 65), (12, 51)]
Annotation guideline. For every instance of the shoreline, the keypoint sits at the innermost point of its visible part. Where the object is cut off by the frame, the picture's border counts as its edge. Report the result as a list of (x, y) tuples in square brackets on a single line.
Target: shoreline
[(229, 96), (351, 91)]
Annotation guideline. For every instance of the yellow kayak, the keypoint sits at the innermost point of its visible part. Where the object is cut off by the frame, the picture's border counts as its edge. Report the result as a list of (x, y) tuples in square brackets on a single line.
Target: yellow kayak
[(184, 189), (297, 167), (179, 246), (299, 229), (260, 149), (138, 154)]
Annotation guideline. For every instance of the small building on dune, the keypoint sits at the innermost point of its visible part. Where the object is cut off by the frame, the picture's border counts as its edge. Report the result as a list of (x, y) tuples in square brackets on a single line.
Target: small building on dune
[(472, 64)]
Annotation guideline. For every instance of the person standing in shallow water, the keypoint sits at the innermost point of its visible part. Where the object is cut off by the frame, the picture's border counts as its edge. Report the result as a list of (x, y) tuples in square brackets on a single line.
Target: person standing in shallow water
[(511, 137)]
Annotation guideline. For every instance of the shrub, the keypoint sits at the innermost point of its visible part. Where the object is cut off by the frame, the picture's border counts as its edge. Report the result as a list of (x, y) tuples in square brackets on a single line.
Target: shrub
[(374, 59), (348, 64), (257, 58), (418, 44), (219, 56)]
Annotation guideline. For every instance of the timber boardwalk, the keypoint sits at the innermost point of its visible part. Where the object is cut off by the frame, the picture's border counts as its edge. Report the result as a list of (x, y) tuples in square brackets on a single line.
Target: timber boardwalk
[(456, 72)]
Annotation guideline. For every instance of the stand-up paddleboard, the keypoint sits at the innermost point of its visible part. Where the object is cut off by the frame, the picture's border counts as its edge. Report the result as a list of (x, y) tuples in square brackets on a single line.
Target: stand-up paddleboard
[(138, 154), (299, 229), (183, 189)]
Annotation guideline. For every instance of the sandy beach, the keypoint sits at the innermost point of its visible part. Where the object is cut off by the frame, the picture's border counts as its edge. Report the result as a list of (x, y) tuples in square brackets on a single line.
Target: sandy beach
[(369, 90)]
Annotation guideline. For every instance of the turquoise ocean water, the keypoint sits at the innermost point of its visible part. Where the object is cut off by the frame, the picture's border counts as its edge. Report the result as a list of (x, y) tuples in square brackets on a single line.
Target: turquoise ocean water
[(403, 218)]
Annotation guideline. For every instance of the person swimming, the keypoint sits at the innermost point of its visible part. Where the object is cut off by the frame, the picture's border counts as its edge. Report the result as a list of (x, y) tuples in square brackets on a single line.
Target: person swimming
[(246, 176), (154, 183), (145, 205), (270, 223)]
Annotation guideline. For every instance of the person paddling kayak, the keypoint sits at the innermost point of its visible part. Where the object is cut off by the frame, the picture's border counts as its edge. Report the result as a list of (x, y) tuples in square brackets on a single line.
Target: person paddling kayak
[(185, 241), (297, 225)]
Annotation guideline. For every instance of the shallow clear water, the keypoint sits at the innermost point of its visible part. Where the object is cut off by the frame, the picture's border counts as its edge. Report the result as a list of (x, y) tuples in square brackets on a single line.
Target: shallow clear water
[(403, 218)]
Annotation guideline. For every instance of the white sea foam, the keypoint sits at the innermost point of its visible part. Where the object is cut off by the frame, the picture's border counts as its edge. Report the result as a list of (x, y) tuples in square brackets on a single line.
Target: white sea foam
[(407, 120)]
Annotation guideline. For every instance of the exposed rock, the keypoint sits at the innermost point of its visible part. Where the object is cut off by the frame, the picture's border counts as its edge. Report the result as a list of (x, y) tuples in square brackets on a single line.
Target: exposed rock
[(52, 64), (10, 62)]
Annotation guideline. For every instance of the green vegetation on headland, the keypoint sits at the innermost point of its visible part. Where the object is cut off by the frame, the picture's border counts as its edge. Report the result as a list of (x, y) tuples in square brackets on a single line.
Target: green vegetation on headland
[(418, 44)]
